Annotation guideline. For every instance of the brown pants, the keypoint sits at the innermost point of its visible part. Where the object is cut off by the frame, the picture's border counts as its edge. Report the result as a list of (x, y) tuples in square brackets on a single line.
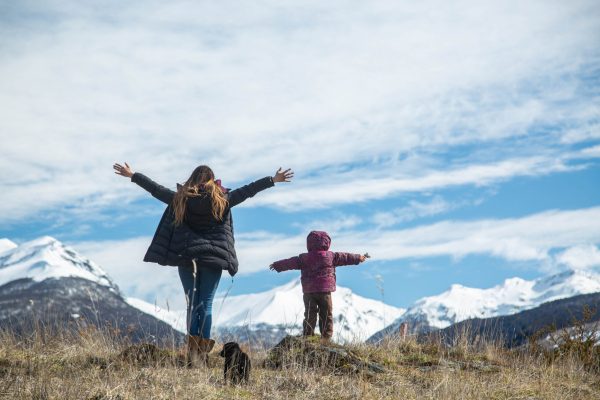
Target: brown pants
[(318, 303)]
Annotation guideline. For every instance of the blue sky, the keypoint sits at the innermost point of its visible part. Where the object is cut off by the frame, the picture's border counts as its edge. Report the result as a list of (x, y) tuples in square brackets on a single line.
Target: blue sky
[(456, 143)]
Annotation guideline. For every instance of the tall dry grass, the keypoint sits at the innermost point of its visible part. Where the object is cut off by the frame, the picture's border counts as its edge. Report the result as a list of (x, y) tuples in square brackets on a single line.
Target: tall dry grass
[(88, 364)]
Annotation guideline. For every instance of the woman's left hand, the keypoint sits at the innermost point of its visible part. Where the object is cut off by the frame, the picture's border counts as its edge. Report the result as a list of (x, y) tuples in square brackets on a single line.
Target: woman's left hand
[(283, 176), (125, 171)]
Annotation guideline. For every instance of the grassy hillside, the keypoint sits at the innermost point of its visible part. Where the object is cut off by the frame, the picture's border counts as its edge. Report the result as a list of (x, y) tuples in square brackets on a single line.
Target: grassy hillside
[(94, 365)]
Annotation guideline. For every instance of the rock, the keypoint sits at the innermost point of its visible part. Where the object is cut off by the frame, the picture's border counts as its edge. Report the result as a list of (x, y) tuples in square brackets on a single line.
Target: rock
[(148, 354), (309, 352)]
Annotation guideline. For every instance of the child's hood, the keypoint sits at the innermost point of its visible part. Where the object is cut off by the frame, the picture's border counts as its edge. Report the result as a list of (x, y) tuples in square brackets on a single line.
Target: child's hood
[(318, 241)]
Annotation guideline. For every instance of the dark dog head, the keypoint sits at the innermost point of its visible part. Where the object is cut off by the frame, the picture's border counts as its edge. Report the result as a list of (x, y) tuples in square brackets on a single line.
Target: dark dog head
[(229, 349)]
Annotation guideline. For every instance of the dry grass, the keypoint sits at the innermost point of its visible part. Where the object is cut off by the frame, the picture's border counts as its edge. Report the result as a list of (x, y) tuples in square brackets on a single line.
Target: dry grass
[(88, 366)]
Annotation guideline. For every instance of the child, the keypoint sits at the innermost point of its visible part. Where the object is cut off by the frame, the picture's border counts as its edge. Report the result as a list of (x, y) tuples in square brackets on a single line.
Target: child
[(318, 280)]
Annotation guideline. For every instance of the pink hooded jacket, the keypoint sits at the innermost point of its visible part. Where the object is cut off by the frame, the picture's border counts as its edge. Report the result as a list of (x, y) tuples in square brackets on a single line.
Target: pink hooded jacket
[(318, 265)]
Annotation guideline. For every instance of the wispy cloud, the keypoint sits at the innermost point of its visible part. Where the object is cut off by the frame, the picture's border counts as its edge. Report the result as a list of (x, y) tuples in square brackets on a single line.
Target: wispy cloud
[(339, 222), (414, 210), (589, 132), (247, 88), (582, 256), (589, 152), (122, 260), (528, 238), (353, 187)]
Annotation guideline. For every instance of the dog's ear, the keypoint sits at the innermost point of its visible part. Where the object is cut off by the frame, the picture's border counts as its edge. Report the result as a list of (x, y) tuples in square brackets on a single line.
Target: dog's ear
[(226, 350), (230, 347)]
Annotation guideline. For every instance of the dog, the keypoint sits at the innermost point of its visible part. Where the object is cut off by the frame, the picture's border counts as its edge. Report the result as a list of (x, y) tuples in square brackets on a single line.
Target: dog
[(237, 363)]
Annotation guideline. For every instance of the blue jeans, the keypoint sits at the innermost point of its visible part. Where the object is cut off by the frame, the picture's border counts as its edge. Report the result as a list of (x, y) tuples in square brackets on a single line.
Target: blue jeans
[(199, 301)]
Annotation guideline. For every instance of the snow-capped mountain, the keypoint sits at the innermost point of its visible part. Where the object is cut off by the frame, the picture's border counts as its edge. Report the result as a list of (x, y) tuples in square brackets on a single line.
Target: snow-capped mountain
[(44, 281), (6, 244), (514, 295), (515, 330), (270, 315), (45, 258), (281, 309)]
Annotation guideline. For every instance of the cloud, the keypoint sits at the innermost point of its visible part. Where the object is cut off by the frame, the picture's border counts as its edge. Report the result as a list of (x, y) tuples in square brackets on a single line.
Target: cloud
[(122, 260), (582, 256), (339, 223), (247, 88), (358, 186), (585, 133), (529, 238), (414, 210), (590, 152)]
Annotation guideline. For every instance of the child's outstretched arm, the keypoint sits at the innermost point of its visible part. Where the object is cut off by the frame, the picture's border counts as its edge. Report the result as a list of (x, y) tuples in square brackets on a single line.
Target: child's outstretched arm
[(340, 259), (286, 265)]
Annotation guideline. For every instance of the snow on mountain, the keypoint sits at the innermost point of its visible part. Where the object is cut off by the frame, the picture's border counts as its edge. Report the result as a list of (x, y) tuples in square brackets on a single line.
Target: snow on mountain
[(45, 282), (514, 295), (6, 245), (355, 317), (175, 318), (46, 258)]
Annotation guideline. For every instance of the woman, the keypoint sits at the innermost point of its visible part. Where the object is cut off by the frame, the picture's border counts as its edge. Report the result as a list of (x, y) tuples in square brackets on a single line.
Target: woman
[(195, 234)]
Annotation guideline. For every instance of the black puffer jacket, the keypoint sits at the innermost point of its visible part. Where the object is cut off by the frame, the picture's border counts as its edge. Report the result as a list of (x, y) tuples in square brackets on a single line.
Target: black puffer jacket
[(201, 236)]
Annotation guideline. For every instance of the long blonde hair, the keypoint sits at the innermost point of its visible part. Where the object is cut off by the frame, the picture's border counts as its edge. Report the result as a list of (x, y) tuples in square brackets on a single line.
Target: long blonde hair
[(202, 178)]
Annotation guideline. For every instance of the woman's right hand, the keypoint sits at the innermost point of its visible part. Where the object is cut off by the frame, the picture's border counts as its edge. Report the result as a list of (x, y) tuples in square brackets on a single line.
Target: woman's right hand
[(283, 176), (125, 171)]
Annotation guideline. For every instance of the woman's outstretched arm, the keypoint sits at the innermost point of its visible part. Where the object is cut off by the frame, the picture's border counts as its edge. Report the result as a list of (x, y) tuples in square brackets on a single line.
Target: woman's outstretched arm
[(160, 192), (237, 196)]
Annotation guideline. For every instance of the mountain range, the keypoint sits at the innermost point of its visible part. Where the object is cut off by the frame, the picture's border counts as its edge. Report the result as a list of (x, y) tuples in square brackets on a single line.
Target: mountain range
[(514, 295), (45, 280), (539, 322), (44, 271)]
